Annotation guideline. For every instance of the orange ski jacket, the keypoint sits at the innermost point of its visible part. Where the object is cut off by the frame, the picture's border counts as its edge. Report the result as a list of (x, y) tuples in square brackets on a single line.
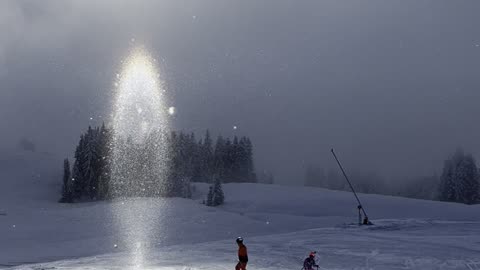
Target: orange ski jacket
[(242, 254)]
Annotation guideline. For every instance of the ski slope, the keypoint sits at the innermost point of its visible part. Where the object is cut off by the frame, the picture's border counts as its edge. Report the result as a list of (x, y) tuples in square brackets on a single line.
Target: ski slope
[(280, 224)]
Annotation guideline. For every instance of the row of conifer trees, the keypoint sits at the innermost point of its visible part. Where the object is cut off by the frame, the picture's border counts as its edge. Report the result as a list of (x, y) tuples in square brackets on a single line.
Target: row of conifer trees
[(187, 159)]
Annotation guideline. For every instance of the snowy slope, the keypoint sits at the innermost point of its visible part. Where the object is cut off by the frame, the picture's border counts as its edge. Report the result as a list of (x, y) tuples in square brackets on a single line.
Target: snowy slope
[(280, 225), (410, 245)]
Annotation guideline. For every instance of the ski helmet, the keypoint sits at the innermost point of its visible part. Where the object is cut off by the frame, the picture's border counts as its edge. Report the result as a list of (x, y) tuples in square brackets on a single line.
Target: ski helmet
[(239, 240), (312, 254)]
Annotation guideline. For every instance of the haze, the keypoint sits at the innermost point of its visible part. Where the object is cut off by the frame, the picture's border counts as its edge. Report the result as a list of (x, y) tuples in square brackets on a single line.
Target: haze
[(393, 86)]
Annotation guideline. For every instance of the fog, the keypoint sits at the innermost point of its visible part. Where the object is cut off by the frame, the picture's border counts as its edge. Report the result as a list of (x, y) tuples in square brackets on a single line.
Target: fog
[(393, 86)]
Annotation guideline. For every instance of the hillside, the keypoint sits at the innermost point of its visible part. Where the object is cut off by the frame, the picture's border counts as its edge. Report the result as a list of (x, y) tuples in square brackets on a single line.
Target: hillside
[(279, 229)]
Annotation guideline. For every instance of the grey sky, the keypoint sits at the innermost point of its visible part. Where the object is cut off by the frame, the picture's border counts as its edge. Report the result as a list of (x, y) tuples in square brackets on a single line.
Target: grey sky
[(392, 85)]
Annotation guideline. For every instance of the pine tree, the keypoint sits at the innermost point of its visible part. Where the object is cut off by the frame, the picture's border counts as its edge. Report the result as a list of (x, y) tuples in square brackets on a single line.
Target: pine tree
[(242, 161), (228, 161), (447, 186), (78, 178), (235, 153), (197, 162), (90, 162), (470, 185), (208, 159), (250, 166), (210, 196), (104, 163), (67, 196), (219, 158), (460, 179), (181, 166), (218, 196)]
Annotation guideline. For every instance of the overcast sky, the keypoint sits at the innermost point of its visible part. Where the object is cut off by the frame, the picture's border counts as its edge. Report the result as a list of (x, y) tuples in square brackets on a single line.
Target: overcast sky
[(394, 86)]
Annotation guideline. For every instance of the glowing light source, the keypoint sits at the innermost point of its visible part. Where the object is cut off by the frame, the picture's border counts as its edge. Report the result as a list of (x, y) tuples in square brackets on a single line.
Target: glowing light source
[(140, 97), (139, 114)]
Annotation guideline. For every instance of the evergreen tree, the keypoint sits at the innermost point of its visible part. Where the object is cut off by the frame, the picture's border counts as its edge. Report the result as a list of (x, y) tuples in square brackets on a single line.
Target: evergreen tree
[(242, 160), (236, 157), (189, 158), (104, 163), (181, 165), (469, 180), (67, 196), (250, 164), (218, 196), (208, 159), (78, 178), (90, 165), (460, 179), (219, 158), (228, 161), (197, 162), (210, 196)]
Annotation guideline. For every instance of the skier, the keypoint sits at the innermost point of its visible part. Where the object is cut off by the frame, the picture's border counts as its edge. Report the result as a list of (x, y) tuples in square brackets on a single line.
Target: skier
[(242, 255), (309, 262)]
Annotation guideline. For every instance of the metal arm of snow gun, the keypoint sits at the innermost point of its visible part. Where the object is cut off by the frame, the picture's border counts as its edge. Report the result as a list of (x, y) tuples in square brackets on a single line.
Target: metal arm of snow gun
[(366, 221)]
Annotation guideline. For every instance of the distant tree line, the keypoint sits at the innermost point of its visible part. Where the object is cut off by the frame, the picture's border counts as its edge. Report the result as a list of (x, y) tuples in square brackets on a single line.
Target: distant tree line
[(364, 182), (459, 182), (187, 160)]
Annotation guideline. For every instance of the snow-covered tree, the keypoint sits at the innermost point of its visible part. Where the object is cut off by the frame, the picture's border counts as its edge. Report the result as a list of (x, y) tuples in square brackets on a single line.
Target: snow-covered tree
[(218, 196), (460, 179)]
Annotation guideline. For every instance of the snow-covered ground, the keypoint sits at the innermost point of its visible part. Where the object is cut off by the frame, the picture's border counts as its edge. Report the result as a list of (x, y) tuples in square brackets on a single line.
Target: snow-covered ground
[(280, 225)]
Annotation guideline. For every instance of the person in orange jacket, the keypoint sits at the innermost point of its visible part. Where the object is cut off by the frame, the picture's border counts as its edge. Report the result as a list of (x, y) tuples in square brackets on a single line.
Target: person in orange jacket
[(242, 255)]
